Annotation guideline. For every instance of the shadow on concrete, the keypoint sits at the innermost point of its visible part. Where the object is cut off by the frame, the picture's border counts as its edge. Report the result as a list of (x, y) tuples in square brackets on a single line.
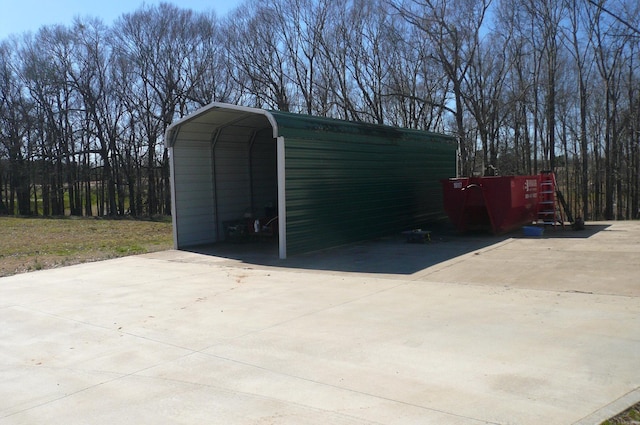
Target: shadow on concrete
[(388, 255)]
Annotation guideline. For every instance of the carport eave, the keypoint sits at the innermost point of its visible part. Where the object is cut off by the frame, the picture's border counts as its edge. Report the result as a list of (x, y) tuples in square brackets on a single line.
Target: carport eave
[(171, 133)]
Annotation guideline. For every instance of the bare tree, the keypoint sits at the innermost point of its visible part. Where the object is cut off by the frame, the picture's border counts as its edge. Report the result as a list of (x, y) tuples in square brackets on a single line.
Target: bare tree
[(484, 85), (579, 48), (609, 55), (519, 97), (15, 124), (208, 67), (162, 43), (417, 88), (256, 52), (301, 26), (91, 77), (45, 72), (335, 80), (453, 27)]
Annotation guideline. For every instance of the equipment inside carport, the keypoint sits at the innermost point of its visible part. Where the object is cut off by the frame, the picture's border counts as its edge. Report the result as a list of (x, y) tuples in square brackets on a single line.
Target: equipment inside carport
[(310, 182)]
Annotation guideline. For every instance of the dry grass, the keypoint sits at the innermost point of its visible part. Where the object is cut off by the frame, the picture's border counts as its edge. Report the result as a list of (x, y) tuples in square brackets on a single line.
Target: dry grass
[(28, 244), (628, 417)]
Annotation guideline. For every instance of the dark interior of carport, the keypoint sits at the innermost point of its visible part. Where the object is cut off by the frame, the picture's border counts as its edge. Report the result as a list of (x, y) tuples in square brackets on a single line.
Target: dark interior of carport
[(224, 175), (246, 204)]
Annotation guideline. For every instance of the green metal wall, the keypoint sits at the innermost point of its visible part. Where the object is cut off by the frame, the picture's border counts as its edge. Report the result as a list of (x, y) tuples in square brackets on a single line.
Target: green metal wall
[(347, 182)]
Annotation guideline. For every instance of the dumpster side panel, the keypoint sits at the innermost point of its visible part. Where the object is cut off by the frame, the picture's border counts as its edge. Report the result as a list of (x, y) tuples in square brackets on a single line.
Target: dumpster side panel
[(513, 201), (498, 199), (500, 204), (464, 203), (524, 202), (453, 196)]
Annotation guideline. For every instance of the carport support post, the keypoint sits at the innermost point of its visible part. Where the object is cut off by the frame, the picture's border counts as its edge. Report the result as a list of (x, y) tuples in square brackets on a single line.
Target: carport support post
[(282, 204), (172, 177)]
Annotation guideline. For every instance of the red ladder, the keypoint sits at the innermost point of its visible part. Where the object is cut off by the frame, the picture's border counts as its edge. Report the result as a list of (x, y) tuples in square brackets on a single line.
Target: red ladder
[(548, 211)]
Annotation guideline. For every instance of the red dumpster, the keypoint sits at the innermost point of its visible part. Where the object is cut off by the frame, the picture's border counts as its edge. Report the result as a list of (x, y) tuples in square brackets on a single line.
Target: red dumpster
[(498, 204)]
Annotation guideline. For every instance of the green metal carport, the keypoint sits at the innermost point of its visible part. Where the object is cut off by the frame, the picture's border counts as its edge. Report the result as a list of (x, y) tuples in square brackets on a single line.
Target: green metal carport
[(331, 182)]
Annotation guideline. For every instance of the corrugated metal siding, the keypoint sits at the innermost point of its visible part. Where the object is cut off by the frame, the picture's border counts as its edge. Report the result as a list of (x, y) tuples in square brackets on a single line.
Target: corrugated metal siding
[(232, 177), (354, 184), (194, 193), (264, 178)]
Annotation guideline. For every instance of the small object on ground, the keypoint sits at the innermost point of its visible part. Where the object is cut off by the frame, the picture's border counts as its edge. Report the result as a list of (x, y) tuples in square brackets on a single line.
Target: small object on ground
[(533, 230), (578, 224), (417, 235)]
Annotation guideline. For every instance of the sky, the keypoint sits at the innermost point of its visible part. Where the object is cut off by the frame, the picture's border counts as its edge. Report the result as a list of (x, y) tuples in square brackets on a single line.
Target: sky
[(20, 16)]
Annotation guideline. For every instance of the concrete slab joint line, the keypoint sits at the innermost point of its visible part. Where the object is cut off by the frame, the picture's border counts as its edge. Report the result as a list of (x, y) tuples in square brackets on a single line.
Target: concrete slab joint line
[(462, 330)]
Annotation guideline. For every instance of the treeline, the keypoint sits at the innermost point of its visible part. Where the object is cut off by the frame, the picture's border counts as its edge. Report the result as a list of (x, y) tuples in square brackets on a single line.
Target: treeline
[(525, 85)]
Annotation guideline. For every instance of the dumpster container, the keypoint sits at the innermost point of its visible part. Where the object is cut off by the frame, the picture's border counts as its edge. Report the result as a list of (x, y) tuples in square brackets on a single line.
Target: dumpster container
[(498, 204)]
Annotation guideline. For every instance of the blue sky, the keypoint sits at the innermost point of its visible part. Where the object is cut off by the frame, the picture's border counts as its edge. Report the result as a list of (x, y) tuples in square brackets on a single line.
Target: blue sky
[(19, 16)]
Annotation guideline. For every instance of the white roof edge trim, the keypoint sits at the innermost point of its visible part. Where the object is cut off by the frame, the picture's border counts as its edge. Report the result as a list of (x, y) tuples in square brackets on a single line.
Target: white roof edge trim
[(219, 105)]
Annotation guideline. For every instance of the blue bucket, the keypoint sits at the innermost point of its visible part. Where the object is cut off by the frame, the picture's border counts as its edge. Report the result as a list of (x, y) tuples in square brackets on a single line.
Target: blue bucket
[(533, 230)]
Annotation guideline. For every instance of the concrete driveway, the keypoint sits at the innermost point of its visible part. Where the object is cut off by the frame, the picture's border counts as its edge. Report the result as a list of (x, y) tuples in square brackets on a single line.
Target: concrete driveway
[(464, 330)]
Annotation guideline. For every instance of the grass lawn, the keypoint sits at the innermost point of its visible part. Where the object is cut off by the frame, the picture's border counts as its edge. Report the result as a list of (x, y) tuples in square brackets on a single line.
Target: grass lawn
[(28, 244)]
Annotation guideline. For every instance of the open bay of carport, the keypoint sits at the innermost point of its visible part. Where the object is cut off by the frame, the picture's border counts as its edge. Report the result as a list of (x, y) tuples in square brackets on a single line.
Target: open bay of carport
[(463, 330)]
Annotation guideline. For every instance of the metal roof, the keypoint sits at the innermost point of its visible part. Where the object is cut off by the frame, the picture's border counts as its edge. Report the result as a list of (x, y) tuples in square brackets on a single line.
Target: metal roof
[(216, 115)]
